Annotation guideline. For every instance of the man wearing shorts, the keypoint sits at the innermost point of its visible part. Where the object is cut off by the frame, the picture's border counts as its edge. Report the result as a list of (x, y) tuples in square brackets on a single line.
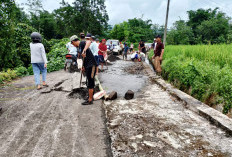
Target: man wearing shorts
[(102, 50), (89, 68)]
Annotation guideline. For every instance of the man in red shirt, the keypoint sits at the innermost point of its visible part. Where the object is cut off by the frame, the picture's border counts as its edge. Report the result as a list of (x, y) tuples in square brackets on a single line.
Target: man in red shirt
[(158, 54), (102, 50)]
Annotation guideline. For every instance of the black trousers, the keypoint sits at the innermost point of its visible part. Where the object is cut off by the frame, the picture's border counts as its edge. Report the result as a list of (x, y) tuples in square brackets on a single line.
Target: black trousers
[(90, 74)]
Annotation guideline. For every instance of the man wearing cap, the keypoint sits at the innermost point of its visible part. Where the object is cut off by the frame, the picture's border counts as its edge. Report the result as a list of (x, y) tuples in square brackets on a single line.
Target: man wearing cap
[(72, 47), (102, 49), (158, 54), (94, 50), (89, 64)]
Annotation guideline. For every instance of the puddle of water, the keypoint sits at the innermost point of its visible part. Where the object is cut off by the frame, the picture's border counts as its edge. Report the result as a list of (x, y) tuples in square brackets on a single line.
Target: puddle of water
[(118, 78)]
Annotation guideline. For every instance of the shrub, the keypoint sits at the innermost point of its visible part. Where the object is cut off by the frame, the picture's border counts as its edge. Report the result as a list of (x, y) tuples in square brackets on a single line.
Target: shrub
[(7, 76), (30, 70), (21, 71)]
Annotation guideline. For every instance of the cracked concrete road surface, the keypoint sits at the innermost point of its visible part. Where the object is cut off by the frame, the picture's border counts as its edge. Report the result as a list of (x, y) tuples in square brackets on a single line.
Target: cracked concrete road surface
[(54, 124), (49, 124)]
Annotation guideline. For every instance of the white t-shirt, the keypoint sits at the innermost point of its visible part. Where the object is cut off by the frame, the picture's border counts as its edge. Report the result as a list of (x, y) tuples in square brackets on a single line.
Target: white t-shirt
[(72, 49), (94, 48)]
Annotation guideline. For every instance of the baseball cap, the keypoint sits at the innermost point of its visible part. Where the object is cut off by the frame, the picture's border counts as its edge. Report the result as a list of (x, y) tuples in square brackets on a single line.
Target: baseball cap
[(93, 37), (88, 36), (74, 38), (82, 35), (158, 36)]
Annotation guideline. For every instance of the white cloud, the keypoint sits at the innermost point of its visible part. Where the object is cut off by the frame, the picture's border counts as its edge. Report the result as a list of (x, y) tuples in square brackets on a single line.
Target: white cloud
[(121, 10)]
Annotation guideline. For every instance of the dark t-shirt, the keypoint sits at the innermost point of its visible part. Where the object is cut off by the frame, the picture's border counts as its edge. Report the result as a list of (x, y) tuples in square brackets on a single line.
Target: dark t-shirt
[(126, 48), (142, 45), (158, 49), (81, 46), (89, 60)]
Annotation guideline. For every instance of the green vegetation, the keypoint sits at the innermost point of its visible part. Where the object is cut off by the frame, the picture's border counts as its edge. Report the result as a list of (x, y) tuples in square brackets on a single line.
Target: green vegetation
[(56, 59), (135, 30), (204, 72), (203, 27)]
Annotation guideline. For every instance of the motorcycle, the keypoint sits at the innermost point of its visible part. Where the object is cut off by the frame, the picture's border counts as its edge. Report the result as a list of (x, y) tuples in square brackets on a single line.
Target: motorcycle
[(70, 63)]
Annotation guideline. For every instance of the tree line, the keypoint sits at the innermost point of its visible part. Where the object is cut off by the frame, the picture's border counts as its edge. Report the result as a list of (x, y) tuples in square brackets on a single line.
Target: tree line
[(16, 25), (204, 26)]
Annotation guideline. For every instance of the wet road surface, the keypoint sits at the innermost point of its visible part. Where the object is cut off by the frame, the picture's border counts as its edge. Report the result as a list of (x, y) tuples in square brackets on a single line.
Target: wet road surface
[(155, 123)]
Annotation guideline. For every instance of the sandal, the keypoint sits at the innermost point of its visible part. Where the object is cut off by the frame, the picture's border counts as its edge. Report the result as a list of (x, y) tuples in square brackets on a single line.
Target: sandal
[(39, 88), (46, 85)]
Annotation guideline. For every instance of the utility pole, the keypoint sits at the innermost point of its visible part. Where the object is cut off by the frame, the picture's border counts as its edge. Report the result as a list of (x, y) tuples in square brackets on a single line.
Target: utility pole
[(166, 23)]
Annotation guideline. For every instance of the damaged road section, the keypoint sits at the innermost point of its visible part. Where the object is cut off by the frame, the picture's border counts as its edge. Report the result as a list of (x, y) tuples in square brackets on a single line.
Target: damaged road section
[(51, 124), (157, 124)]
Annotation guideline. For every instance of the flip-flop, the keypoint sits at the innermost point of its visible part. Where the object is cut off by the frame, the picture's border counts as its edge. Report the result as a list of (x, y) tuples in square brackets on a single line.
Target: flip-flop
[(39, 88), (46, 85)]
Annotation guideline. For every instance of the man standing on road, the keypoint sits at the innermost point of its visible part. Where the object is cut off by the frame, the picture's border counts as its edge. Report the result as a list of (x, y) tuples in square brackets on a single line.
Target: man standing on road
[(154, 44), (94, 49), (142, 47), (82, 43), (158, 54), (131, 47), (102, 50), (126, 49), (89, 68)]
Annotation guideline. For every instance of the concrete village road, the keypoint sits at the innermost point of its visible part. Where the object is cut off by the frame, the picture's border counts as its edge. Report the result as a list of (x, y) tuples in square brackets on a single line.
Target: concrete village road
[(54, 124)]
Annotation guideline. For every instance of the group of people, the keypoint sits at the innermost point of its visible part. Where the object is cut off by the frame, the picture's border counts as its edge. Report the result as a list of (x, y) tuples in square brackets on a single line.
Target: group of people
[(92, 52), (99, 50)]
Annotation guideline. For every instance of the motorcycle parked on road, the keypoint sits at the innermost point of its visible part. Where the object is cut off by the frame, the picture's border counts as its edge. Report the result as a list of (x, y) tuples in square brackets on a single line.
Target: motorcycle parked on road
[(70, 63)]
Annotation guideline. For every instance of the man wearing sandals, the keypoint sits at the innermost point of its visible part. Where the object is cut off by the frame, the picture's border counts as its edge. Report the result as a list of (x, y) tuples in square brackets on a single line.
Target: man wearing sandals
[(38, 59)]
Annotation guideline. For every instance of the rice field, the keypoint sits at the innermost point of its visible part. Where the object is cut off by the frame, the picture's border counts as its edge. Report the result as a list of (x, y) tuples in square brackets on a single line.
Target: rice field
[(216, 54), (203, 71)]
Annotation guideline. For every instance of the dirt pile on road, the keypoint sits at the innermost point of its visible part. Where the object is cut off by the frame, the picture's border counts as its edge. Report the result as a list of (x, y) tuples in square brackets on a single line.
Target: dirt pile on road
[(135, 69), (113, 58), (80, 93)]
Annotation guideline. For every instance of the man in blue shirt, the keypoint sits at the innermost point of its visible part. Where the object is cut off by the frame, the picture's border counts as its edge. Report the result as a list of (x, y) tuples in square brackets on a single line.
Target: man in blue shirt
[(126, 49)]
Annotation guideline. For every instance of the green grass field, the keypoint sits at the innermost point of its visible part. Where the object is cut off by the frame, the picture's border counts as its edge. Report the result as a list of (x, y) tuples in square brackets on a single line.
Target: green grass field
[(203, 71)]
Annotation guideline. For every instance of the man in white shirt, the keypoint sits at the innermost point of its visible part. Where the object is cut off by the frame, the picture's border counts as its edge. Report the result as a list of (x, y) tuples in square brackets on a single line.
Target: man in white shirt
[(94, 49), (72, 48)]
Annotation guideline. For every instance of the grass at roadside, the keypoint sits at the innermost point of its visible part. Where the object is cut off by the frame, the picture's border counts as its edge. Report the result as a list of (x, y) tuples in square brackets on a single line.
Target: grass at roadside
[(202, 71)]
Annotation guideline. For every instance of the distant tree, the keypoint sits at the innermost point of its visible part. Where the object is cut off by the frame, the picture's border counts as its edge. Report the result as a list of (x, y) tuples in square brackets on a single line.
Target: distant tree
[(88, 16), (8, 11), (214, 30), (133, 30), (180, 33), (198, 16)]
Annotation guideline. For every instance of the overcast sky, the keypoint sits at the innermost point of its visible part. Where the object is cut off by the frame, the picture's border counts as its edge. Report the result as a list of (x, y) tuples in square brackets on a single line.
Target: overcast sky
[(121, 10)]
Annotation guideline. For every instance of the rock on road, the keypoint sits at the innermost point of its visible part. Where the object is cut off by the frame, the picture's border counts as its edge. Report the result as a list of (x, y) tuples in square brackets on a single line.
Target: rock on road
[(50, 124)]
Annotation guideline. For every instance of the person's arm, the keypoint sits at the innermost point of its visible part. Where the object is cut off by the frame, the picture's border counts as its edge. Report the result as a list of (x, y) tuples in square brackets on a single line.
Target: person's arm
[(44, 56), (87, 45), (162, 53)]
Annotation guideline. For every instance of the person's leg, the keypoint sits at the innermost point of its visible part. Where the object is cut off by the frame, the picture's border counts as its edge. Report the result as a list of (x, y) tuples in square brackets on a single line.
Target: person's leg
[(90, 74), (102, 61), (36, 72), (97, 61), (44, 74)]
